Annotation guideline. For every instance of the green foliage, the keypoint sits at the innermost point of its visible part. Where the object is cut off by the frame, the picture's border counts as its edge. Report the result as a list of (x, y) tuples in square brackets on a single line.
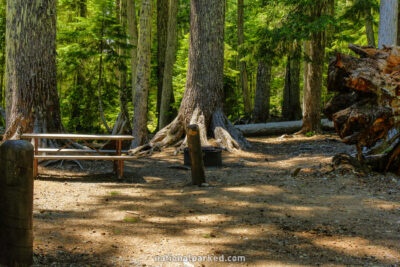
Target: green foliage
[(310, 134), (270, 28)]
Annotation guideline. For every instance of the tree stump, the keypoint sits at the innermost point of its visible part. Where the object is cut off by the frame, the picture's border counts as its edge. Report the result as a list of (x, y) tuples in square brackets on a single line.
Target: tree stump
[(16, 203), (196, 155)]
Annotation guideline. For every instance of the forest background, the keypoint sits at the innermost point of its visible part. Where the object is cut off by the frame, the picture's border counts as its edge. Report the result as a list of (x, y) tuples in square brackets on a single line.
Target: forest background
[(92, 34)]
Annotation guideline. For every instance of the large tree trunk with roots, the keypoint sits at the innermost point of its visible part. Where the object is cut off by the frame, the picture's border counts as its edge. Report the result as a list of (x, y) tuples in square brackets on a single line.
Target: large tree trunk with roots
[(365, 110), (31, 68), (202, 101)]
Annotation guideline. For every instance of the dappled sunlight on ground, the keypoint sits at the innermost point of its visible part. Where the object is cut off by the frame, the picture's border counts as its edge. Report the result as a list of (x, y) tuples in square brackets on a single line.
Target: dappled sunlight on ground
[(253, 207)]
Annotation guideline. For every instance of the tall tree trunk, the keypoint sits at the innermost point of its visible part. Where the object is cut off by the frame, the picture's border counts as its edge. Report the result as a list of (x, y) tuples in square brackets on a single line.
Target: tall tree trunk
[(122, 68), (162, 38), (263, 92), (388, 14), (306, 66), (143, 75), (80, 86), (31, 76), (133, 40), (369, 28), (244, 83), (83, 8), (169, 64), (100, 82), (314, 53), (202, 100), (291, 109), (313, 87)]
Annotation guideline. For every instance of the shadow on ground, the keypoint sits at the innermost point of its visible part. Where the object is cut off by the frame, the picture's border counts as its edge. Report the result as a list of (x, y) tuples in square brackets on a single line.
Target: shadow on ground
[(253, 208)]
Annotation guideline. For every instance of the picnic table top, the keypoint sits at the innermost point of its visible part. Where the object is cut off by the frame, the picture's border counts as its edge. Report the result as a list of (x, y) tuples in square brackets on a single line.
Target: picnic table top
[(77, 136)]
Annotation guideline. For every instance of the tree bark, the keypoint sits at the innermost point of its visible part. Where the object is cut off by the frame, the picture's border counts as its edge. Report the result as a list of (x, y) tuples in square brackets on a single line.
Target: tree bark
[(202, 100), (244, 83), (169, 64), (306, 65), (263, 91), (162, 38), (313, 87), (133, 40), (314, 52), (31, 75), (388, 16), (143, 75), (291, 109), (100, 82), (122, 68), (369, 28)]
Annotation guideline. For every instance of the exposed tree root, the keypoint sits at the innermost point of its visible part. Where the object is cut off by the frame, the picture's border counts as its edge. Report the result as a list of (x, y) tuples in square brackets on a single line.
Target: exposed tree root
[(226, 135), (18, 125)]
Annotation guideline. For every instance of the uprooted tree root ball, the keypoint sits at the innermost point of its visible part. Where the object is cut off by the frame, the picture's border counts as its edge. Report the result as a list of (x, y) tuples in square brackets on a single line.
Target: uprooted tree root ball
[(365, 110)]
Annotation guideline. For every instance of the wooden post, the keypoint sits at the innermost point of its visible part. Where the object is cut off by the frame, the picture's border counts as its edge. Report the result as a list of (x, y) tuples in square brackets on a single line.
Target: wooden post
[(16, 203), (196, 155), (120, 162), (115, 163), (35, 161)]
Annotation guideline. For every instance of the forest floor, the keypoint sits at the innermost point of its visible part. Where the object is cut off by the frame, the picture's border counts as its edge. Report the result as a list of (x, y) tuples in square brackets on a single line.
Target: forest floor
[(254, 207)]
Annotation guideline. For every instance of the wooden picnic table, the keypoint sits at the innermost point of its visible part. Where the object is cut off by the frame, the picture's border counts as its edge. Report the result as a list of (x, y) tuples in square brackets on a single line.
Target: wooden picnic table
[(117, 158)]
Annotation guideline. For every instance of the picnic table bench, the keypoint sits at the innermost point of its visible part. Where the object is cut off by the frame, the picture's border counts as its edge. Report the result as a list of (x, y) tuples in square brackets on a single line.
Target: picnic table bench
[(80, 154)]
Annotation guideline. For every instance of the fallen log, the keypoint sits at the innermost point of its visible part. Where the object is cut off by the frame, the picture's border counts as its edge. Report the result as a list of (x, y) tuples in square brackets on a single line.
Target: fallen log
[(366, 107), (277, 128)]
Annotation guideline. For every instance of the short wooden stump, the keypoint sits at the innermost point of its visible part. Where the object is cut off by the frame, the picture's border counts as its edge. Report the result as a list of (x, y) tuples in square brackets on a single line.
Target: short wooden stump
[(212, 156)]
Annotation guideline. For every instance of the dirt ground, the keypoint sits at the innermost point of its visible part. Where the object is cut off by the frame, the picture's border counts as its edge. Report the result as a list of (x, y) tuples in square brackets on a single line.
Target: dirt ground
[(254, 207)]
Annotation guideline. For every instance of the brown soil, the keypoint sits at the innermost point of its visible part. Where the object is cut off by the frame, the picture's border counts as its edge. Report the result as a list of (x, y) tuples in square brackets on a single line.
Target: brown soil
[(254, 207)]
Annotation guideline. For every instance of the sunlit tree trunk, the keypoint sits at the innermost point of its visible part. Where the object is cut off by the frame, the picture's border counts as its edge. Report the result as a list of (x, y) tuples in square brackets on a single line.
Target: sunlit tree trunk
[(133, 41), (169, 64), (31, 77), (143, 75), (388, 16)]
